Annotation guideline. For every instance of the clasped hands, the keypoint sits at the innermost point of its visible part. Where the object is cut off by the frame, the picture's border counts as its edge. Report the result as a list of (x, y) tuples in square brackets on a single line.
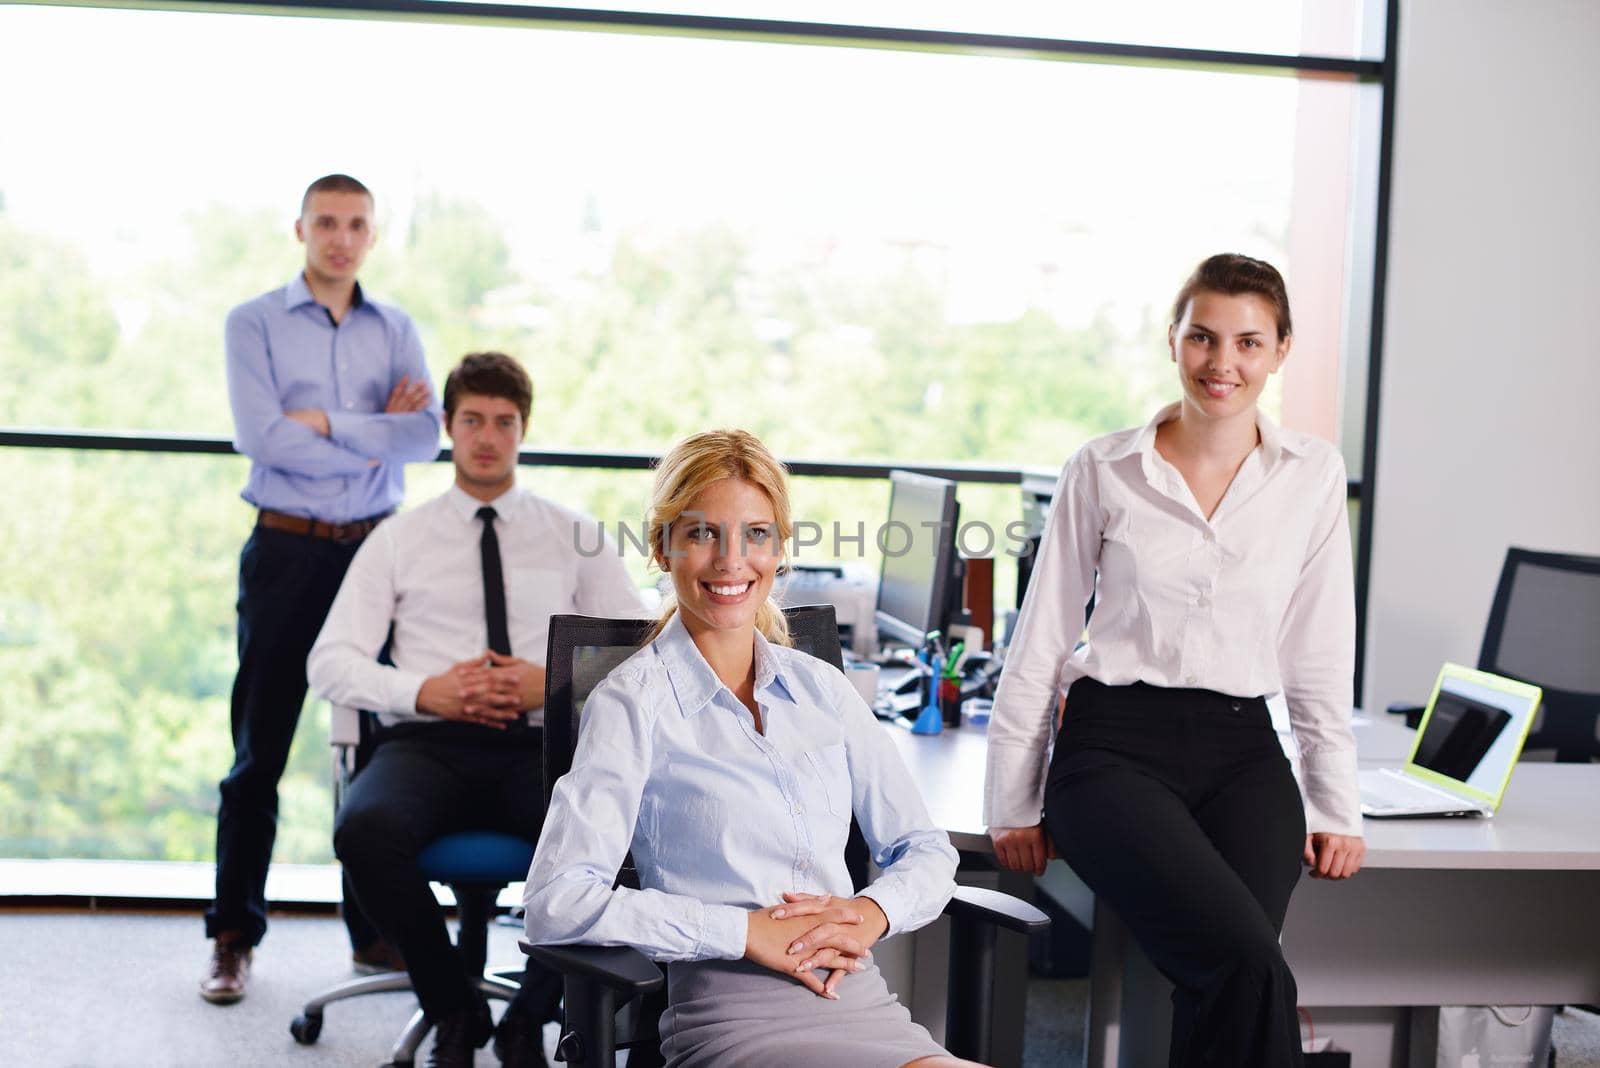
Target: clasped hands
[(811, 934), (490, 690)]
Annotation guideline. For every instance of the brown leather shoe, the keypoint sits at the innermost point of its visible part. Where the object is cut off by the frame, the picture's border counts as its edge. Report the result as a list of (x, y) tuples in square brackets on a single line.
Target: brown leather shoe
[(378, 957), (230, 968)]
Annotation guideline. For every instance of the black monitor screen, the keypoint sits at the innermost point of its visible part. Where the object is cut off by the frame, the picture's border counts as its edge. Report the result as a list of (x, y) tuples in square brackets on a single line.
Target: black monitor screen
[(1459, 733), (919, 557)]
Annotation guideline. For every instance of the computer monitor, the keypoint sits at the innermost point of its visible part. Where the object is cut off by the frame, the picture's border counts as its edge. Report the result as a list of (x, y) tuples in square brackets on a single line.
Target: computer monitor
[(1038, 488), (919, 587)]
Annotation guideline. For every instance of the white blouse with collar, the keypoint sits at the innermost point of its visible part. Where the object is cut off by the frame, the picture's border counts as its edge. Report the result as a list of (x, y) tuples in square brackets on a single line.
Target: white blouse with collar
[(1257, 600)]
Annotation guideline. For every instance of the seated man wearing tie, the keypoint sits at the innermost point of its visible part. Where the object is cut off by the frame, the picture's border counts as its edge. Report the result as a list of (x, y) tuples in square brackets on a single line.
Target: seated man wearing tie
[(462, 588)]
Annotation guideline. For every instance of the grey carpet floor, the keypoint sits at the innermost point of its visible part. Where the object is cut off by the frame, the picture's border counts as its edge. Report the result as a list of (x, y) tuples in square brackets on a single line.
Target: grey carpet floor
[(87, 990), (103, 989)]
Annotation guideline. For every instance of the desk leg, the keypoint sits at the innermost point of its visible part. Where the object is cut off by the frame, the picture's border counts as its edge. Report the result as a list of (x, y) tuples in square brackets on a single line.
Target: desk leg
[(925, 955), (1011, 982), (1109, 942)]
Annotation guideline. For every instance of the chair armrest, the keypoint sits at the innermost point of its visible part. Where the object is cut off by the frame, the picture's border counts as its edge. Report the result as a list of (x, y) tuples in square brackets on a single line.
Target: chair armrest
[(976, 918), (344, 736), (974, 903), (344, 725), (618, 967)]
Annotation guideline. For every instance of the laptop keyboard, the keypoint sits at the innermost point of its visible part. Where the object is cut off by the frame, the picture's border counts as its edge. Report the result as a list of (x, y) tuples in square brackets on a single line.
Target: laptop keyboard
[(1382, 791), (1385, 795)]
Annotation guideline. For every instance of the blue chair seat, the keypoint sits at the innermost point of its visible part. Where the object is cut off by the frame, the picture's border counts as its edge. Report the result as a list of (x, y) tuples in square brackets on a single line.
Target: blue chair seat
[(477, 857)]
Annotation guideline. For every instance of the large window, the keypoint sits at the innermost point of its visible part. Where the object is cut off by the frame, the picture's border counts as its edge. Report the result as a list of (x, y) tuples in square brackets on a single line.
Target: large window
[(904, 253), (853, 252)]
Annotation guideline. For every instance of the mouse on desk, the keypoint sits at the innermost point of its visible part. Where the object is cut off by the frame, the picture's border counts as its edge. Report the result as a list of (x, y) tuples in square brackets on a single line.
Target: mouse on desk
[(910, 682)]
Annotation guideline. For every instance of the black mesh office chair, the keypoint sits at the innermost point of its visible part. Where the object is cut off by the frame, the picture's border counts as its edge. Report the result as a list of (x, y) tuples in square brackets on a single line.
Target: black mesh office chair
[(1544, 628), (600, 980), (476, 865)]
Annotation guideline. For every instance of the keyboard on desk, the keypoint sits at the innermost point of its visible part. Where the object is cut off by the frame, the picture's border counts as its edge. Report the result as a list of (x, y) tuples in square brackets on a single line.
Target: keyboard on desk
[(895, 705), (1385, 792)]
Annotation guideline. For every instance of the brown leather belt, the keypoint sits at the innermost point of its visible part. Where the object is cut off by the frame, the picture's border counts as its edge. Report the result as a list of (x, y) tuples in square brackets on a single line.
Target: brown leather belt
[(342, 533)]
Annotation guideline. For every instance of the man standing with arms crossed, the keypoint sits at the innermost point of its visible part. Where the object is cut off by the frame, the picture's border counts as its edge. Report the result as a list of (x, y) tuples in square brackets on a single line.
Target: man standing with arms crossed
[(330, 397)]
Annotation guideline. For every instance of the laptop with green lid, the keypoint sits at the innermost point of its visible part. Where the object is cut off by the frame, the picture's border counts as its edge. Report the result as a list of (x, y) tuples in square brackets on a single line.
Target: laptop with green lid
[(1467, 745)]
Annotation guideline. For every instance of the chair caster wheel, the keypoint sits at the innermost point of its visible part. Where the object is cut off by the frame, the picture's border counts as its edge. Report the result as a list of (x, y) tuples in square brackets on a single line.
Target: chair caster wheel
[(306, 1027)]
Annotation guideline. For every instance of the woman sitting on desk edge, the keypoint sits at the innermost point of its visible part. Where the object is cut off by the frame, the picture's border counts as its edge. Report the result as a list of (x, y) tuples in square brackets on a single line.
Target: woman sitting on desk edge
[(1217, 549)]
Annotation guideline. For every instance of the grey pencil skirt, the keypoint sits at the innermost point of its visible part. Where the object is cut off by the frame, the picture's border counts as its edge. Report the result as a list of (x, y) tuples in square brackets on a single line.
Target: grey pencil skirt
[(735, 1014)]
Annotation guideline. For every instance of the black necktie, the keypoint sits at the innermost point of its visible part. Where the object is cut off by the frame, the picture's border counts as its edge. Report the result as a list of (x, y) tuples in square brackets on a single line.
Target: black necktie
[(494, 585)]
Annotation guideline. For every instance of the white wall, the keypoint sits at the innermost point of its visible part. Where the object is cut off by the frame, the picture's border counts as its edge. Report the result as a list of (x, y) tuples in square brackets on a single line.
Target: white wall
[(1490, 423)]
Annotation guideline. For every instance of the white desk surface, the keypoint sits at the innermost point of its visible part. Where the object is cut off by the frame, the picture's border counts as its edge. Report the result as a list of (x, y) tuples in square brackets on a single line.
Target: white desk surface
[(948, 768), (1548, 821), (1370, 941)]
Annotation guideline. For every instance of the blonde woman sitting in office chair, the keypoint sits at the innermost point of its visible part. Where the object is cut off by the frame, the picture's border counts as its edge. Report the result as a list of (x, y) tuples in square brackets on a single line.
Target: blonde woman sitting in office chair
[(1218, 552), (730, 764)]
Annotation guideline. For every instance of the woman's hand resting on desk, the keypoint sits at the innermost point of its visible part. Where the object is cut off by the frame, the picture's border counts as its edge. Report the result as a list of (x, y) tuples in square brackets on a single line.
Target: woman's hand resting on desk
[(1023, 848), (817, 939), (1334, 856)]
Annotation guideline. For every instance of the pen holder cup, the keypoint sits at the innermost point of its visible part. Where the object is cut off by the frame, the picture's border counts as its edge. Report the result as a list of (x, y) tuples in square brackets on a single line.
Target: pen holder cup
[(864, 677), (950, 702)]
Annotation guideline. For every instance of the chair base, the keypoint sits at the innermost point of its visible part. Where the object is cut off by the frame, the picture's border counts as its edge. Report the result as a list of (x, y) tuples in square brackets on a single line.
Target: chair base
[(307, 1027)]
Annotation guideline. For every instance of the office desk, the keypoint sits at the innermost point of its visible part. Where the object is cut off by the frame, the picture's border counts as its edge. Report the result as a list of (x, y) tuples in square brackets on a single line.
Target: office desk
[(948, 767), (1444, 912)]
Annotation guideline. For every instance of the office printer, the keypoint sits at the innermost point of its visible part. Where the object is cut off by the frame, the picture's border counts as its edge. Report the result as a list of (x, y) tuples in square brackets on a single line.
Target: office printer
[(851, 587)]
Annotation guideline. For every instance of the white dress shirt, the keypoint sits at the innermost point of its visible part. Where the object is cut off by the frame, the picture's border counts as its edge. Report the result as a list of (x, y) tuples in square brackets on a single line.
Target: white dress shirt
[(722, 818), (1255, 601), (422, 570)]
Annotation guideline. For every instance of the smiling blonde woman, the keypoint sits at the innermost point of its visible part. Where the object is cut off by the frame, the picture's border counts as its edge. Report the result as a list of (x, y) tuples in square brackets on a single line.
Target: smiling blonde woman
[(731, 764)]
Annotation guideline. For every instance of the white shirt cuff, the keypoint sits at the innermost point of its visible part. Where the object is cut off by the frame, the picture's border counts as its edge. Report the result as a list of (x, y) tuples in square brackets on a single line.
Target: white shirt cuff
[(403, 689), (1014, 787), (1333, 794)]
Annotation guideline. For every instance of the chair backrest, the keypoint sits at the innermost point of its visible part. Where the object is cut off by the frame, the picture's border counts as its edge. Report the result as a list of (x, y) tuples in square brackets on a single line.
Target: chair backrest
[(815, 630), (1544, 628), (583, 650)]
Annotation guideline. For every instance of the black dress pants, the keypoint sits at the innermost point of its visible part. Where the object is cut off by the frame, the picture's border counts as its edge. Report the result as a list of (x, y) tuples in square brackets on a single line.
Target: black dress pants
[(1179, 810), (287, 583), (425, 781)]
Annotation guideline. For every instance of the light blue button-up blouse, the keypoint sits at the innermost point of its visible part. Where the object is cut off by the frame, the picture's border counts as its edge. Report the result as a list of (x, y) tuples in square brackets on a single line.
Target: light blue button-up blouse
[(722, 819)]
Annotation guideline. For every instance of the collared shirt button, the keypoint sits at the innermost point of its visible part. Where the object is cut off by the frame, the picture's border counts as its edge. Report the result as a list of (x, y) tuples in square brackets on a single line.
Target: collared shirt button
[(1191, 678)]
